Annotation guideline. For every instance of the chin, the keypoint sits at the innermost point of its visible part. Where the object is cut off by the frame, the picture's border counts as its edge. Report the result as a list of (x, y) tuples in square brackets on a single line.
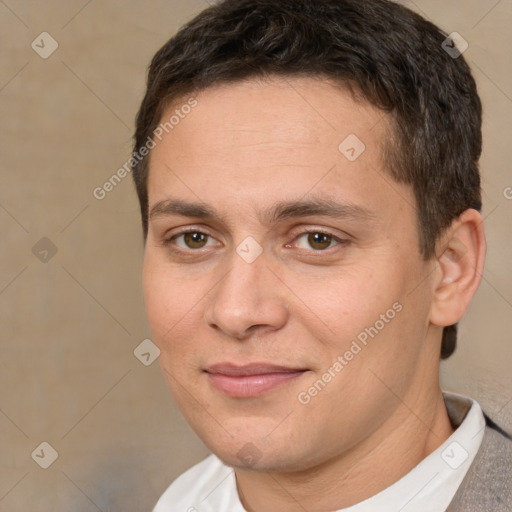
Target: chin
[(251, 458), (252, 448)]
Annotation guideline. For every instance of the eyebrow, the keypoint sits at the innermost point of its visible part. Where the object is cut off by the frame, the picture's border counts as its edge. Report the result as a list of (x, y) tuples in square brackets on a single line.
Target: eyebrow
[(280, 211)]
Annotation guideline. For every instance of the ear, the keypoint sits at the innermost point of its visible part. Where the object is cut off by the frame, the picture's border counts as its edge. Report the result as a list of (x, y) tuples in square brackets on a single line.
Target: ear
[(460, 256)]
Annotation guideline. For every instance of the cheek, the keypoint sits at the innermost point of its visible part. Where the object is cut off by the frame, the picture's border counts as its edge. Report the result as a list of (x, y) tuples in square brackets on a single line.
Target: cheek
[(343, 303), (174, 309), (365, 311), (156, 297), (165, 303)]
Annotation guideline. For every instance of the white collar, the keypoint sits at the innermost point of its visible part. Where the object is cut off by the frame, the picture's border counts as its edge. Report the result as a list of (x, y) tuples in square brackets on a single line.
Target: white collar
[(432, 484)]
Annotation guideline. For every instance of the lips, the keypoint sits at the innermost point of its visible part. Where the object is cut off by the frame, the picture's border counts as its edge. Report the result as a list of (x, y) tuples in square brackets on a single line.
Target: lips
[(252, 380)]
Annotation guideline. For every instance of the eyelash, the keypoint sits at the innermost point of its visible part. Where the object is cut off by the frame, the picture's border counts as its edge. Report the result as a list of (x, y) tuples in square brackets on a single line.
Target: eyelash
[(339, 241)]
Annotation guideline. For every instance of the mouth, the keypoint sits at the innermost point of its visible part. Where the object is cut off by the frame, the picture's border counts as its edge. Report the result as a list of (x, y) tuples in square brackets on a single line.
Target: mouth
[(252, 380)]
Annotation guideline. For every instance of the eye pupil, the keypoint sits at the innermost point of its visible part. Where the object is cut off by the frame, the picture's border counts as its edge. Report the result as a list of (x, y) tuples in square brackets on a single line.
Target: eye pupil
[(319, 240), (195, 240)]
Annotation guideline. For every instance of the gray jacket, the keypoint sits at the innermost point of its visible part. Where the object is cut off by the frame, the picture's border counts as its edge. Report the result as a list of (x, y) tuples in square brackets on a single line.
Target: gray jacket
[(487, 486)]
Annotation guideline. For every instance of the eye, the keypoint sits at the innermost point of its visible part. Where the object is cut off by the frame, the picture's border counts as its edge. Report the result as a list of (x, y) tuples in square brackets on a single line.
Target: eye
[(190, 240), (317, 240)]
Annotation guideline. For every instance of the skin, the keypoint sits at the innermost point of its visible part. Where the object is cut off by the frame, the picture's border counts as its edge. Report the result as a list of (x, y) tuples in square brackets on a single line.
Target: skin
[(245, 147)]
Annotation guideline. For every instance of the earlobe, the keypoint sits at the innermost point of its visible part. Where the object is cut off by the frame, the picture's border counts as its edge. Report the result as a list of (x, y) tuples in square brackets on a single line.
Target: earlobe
[(460, 261)]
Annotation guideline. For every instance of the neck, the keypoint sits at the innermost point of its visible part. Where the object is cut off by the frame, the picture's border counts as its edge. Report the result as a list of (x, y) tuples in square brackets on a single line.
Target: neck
[(417, 429)]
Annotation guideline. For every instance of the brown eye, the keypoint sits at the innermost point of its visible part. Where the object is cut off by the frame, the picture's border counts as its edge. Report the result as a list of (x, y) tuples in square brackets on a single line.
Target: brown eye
[(319, 240), (195, 240), (316, 240), (190, 240)]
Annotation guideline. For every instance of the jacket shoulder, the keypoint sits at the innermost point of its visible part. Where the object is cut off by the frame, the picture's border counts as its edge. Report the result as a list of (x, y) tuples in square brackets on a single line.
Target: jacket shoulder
[(488, 483)]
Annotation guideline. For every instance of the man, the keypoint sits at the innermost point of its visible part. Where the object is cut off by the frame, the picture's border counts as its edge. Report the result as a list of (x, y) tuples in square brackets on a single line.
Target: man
[(308, 178)]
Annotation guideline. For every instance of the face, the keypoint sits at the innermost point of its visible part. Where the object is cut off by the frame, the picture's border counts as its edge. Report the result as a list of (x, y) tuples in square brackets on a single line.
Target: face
[(282, 275)]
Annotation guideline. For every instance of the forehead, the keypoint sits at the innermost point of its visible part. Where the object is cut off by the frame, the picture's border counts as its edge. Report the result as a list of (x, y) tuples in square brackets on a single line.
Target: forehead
[(261, 140), (277, 110)]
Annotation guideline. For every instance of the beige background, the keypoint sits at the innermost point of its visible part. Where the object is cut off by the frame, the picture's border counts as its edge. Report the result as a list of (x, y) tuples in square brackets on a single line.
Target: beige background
[(68, 375)]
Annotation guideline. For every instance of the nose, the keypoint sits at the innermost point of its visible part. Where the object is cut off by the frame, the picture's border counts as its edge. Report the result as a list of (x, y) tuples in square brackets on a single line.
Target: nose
[(248, 298)]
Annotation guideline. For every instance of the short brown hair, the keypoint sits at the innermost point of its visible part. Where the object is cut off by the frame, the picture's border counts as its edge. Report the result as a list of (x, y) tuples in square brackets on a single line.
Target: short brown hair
[(389, 55)]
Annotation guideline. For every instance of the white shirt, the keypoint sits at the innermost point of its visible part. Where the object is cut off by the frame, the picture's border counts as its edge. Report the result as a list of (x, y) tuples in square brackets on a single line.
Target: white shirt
[(210, 486)]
